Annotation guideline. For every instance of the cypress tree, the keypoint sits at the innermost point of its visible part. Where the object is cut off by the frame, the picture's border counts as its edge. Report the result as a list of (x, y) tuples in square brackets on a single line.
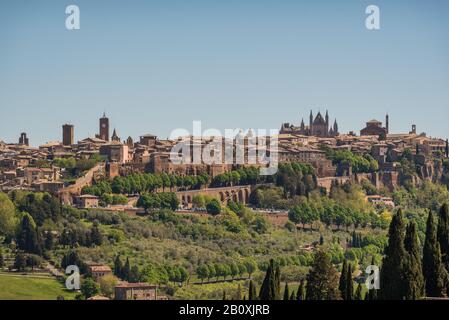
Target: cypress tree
[(28, 239), (300, 294), (268, 291), (414, 279), (252, 295), (126, 270), (224, 295), (443, 235), (342, 282), (286, 292), (49, 241), (435, 274), (372, 293), (277, 278), (322, 280), (392, 272), (349, 295), (293, 296), (134, 275), (118, 266), (358, 293), (95, 235)]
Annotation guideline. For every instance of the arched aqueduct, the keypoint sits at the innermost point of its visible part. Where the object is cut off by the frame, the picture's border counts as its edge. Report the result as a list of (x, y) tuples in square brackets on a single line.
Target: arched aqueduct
[(225, 194)]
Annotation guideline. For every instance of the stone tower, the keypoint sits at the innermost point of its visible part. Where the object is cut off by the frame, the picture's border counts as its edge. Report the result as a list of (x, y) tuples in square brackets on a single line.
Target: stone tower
[(23, 140), (387, 123), (104, 128), (68, 135)]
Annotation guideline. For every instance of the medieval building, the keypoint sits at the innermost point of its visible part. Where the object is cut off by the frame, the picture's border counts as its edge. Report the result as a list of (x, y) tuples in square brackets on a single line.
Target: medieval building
[(318, 127), (374, 128)]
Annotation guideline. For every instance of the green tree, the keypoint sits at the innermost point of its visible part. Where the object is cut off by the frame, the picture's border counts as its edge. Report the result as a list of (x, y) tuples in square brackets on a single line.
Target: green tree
[(8, 219), (49, 241), (198, 201), (203, 272), (301, 293), (126, 271), (27, 238), (349, 284), (443, 235), (286, 292), (89, 288), (343, 275), (322, 280), (118, 267), (95, 234), (435, 274), (107, 284), (213, 207), (20, 262), (252, 295), (358, 293), (134, 274), (234, 268), (268, 290), (251, 266), (414, 279), (392, 272)]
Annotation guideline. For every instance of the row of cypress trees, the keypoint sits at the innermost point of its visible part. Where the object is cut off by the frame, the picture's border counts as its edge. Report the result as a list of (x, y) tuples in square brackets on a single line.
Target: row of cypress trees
[(346, 285), (321, 284), (404, 274)]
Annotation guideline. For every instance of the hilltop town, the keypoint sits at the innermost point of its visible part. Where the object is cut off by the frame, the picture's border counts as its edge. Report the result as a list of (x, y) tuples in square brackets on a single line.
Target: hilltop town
[(64, 168)]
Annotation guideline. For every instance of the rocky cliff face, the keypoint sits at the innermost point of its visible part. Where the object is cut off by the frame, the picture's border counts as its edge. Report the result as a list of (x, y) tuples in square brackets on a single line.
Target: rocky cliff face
[(431, 170)]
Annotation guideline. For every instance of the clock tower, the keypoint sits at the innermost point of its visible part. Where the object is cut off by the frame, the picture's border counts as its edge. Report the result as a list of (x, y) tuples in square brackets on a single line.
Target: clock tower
[(104, 128)]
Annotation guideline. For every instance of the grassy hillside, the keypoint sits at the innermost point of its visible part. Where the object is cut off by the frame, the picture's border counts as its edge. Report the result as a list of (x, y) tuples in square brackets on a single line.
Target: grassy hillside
[(22, 287)]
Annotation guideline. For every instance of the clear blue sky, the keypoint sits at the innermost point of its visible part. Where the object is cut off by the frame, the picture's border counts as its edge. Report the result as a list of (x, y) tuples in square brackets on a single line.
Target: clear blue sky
[(154, 66)]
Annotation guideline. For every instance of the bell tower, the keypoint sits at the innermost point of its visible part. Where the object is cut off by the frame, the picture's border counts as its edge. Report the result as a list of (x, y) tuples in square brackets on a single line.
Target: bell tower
[(104, 128)]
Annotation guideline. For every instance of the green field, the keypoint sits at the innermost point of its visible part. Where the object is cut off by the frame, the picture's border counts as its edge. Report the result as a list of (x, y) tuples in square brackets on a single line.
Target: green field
[(23, 287)]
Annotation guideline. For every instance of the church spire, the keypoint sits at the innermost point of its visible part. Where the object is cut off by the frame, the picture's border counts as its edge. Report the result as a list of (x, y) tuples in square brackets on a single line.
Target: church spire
[(311, 122), (335, 127), (115, 137)]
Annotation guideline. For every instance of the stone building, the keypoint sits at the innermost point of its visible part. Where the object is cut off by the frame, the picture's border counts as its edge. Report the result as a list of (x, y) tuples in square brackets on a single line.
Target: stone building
[(374, 128), (87, 201), (97, 271), (115, 152), (135, 291)]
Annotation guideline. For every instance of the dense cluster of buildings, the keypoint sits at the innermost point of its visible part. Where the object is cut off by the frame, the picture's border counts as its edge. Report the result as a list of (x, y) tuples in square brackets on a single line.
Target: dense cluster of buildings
[(32, 168)]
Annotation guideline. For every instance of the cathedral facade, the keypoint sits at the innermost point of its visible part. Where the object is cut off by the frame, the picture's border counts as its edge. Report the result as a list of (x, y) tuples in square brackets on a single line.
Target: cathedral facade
[(318, 126)]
